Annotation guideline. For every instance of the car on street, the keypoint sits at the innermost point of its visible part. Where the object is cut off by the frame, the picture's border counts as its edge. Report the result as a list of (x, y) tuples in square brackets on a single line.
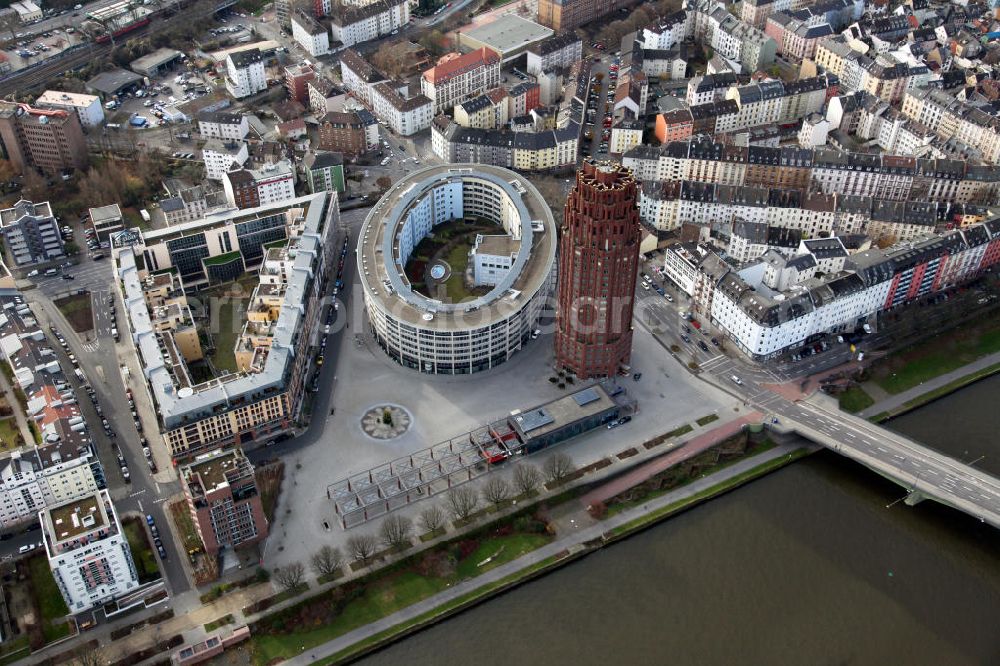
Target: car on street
[(702, 345)]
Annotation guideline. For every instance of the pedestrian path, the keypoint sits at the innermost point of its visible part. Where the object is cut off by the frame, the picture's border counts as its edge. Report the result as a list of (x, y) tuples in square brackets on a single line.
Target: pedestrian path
[(898, 400), (575, 538)]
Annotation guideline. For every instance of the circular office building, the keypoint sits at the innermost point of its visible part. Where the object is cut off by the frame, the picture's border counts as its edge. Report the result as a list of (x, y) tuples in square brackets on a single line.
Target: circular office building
[(495, 234)]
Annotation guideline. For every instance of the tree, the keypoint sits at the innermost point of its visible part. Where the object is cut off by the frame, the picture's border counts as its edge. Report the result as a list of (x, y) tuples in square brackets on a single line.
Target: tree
[(71, 248), (290, 576), (89, 656), (361, 546), (383, 182), (9, 23), (526, 479), (462, 501), (391, 58), (432, 518), (326, 560), (33, 187), (557, 468), (496, 491), (395, 531)]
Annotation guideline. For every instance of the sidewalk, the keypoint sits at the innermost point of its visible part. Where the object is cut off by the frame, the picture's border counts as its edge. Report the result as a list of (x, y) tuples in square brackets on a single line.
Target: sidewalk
[(564, 543), (895, 401)]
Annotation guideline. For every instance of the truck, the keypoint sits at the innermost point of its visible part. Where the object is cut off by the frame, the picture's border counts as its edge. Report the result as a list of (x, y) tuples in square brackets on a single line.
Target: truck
[(144, 214), (79, 375)]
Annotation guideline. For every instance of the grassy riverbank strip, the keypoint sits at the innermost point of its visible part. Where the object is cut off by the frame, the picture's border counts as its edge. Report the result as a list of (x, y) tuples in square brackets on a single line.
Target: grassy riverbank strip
[(939, 392), (657, 515), (542, 567)]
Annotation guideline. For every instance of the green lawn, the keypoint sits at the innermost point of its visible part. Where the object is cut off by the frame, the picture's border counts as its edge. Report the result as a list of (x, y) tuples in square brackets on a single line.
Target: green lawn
[(50, 602), (391, 591), (708, 418), (231, 317), (458, 259), (942, 354), (683, 430), (855, 399), (443, 608), (142, 551), (8, 433)]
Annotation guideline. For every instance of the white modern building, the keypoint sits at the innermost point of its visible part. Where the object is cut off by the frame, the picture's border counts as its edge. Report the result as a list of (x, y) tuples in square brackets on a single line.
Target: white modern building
[(88, 552), (221, 157), (492, 258), (353, 23), (31, 233), (440, 337), (245, 73), (88, 108), (312, 36), (26, 487), (222, 125)]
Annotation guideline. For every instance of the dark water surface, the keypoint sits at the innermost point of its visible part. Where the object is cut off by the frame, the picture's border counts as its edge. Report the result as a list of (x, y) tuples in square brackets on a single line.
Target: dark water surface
[(805, 566)]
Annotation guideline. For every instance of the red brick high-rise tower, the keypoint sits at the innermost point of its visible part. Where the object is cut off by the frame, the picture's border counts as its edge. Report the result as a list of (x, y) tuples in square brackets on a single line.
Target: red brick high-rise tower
[(598, 263)]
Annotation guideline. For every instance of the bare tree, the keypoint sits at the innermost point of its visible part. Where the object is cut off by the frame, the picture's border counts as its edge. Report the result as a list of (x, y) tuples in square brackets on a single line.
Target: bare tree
[(395, 531), (496, 491), (90, 656), (526, 478), (9, 23), (326, 560), (462, 501), (432, 518), (557, 468), (290, 576), (361, 546)]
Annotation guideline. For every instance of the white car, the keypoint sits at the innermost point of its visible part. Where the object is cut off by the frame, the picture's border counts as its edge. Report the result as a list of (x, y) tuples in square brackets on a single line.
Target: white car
[(736, 380)]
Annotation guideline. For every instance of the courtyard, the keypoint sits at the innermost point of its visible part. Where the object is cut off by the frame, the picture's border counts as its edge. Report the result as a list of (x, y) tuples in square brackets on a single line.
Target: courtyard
[(441, 407), (438, 263)]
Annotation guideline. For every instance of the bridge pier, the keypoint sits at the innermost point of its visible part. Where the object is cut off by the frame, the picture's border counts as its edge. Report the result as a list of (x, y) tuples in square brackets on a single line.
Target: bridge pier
[(914, 498)]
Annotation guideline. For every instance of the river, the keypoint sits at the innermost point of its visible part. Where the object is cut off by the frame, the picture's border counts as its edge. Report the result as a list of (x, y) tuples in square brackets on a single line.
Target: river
[(804, 566)]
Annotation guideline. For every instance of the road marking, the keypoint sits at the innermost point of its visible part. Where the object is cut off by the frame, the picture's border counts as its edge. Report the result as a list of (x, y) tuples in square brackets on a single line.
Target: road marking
[(139, 502), (158, 491)]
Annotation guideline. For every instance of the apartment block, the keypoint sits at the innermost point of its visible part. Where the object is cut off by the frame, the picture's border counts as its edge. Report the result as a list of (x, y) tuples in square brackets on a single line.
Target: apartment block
[(457, 77), (31, 233), (222, 496), (88, 552), (264, 401)]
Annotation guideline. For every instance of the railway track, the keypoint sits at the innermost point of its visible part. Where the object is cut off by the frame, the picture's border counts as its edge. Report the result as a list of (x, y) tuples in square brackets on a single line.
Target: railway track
[(35, 77)]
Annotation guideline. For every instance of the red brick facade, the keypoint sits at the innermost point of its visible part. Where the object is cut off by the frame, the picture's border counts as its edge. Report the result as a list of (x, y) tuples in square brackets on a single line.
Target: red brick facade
[(598, 264)]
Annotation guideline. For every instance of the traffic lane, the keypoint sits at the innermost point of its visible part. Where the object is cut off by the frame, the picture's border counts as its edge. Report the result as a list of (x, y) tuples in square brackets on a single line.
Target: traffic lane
[(171, 567), (328, 372)]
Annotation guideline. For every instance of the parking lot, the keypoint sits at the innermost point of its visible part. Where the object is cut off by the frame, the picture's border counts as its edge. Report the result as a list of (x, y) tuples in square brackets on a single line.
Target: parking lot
[(600, 104), (31, 49), (160, 100)]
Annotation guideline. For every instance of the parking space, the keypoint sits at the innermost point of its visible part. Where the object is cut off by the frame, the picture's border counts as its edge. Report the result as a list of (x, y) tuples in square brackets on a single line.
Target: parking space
[(159, 100), (32, 49), (600, 106)]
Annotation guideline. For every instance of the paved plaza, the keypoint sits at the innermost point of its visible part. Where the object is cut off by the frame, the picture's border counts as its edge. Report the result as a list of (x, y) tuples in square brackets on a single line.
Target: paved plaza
[(443, 407)]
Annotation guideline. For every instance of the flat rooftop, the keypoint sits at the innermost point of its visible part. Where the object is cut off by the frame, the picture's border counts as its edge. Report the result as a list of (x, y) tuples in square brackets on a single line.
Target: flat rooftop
[(564, 411), (73, 519), (529, 273), (213, 470), (60, 98), (509, 33), (499, 245)]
